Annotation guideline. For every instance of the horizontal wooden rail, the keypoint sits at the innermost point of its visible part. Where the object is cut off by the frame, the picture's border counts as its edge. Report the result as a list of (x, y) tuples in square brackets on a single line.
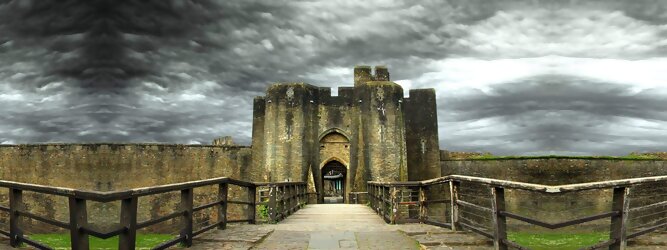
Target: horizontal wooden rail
[(560, 224), (394, 200), (547, 189), (293, 198), (104, 235)]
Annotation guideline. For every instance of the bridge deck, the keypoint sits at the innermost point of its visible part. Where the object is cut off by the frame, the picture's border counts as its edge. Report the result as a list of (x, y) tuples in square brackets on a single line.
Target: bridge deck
[(336, 226)]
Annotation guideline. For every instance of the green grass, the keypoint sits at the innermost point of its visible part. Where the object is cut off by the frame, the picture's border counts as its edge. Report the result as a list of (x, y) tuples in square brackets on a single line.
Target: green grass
[(62, 241), (550, 241)]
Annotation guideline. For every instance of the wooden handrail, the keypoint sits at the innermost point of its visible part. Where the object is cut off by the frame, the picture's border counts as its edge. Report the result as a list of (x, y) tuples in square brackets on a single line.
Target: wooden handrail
[(292, 198), (547, 189), (386, 197)]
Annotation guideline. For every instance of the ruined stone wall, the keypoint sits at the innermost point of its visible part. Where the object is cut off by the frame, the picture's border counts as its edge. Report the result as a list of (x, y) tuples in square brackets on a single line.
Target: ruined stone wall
[(107, 167), (421, 125), (557, 171)]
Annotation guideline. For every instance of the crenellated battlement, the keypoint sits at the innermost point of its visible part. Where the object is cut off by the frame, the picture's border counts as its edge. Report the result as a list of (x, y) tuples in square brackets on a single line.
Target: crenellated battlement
[(363, 74)]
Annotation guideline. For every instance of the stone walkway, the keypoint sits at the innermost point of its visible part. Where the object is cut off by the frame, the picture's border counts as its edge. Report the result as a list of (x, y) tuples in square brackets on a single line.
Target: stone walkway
[(337, 226)]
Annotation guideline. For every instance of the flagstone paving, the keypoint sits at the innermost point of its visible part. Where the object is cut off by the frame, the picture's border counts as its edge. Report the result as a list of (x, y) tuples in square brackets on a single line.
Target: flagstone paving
[(334, 226)]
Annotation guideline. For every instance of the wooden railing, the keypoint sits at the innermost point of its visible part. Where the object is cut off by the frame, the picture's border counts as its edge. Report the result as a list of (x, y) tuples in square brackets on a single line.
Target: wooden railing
[(400, 202), (282, 199), (285, 201)]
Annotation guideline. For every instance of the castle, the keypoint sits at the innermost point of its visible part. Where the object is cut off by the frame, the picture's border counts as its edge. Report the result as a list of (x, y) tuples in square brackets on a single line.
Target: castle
[(301, 133), (368, 132)]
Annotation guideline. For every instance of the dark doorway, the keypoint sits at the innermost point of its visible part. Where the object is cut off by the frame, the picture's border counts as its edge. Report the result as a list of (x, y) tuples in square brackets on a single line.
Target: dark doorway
[(334, 175)]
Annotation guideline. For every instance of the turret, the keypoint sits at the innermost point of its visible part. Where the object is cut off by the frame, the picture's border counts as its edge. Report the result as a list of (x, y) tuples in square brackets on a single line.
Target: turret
[(362, 74)]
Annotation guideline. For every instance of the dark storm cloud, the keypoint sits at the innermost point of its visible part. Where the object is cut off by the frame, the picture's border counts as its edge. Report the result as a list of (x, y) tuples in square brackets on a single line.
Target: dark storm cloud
[(557, 115), (94, 51), (185, 71)]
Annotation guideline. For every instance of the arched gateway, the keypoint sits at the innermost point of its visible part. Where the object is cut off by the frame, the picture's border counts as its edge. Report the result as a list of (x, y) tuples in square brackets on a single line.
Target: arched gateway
[(334, 176), (335, 155)]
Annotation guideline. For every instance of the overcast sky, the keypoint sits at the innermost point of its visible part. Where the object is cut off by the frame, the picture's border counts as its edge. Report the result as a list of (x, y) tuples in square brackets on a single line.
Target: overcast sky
[(511, 77)]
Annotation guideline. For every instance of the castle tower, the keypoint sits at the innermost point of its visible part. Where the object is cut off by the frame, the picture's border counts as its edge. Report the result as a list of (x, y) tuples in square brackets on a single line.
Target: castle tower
[(382, 150), (301, 132)]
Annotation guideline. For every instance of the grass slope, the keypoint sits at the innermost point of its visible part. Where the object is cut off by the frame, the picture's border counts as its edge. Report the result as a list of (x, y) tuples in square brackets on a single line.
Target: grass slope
[(62, 241), (561, 241)]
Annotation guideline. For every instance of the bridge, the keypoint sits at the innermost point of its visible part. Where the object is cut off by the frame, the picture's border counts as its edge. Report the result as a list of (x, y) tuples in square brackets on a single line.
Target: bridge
[(335, 226), (450, 212)]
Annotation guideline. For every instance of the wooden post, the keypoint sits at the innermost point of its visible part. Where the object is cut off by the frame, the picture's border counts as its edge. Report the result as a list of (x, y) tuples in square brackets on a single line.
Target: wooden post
[(128, 219), (302, 199), (252, 196), (499, 221), (290, 201), (371, 200), (78, 218), (394, 205), (618, 230), (422, 204), (223, 191), (381, 198), (15, 205), (280, 202), (454, 196), (297, 199), (273, 209), (187, 198)]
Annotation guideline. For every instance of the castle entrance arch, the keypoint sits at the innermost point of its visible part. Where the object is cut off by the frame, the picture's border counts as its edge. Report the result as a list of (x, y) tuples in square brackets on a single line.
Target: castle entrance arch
[(334, 175), (334, 184)]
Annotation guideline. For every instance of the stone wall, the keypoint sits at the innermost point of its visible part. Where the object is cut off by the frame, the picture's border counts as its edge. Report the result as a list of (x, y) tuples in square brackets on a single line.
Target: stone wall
[(421, 125), (110, 167), (558, 171)]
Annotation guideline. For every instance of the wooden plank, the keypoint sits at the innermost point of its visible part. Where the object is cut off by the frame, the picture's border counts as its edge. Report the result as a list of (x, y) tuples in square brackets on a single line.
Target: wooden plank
[(204, 229), (646, 230), (273, 209), (394, 204), (15, 228), (454, 208), (207, 205), (654, 205), (151, 222), (560, 224), (475, 229), (78, 218), (43, 219), (499, 222), (128, 219), (475, 206), (169, 243), (104, 235), (620, 203), (240, 202), (187, 198), (252, 197), (223, 192), (439, 224), (36, 244), (423, 213)]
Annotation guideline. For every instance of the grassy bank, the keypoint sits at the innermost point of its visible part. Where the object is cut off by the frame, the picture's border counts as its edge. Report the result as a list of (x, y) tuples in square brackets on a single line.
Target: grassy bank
[(551, 241), (62, 241)]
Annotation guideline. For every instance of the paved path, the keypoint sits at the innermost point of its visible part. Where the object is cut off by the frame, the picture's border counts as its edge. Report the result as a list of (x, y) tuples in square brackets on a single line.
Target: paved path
[(336, 226)]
